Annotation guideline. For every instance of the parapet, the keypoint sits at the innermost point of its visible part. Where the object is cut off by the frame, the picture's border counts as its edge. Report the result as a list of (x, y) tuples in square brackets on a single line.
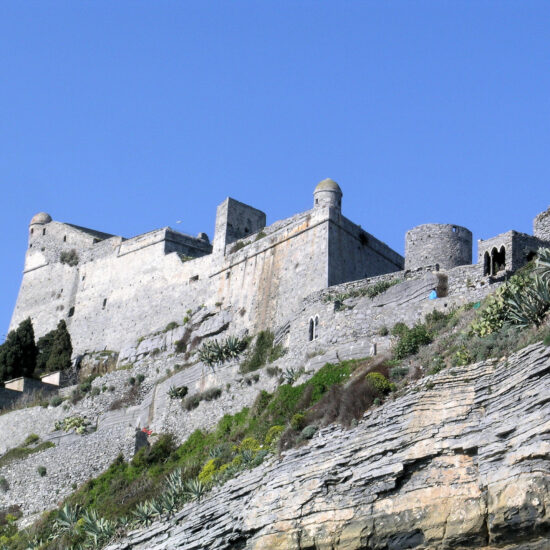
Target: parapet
[(445, 245)]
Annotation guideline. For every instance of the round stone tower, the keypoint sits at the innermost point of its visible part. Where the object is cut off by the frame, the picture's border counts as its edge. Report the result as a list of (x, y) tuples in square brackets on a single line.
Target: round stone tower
[(541, 226), (434, 243), (327, 193)]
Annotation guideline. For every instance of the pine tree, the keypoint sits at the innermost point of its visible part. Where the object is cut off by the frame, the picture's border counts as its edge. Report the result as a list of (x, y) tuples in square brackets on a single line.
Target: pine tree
[(18, 353), (61, 349)]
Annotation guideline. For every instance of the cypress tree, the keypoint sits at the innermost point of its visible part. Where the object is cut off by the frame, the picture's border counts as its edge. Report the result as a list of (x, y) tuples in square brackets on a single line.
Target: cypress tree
[(18, 353), (61, 349), (44, 346)]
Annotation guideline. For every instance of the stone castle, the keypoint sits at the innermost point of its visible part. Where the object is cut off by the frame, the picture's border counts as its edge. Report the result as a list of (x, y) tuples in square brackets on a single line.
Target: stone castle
[(113, 291)]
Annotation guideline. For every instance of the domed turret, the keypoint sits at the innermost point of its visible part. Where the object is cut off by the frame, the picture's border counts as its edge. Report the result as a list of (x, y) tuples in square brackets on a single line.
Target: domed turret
[(41, 218), (328, 193)]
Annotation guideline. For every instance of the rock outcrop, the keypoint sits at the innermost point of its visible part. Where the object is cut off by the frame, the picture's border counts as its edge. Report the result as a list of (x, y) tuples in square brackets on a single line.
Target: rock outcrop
[(461, 460)]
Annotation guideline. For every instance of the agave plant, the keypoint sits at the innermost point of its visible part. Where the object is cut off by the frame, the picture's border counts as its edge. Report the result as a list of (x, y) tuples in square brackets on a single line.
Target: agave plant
[(291, 375), (530, 306), (542, 264), (97, 528), (233, 347), (175, 484), (168, 502), (144, 513), (67, 518), (195, 489)]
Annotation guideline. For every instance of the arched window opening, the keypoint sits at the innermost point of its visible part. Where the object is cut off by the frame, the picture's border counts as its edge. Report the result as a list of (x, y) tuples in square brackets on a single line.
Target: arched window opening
[(316, 328), (311, 329), (498, 260), (531, 255), (486, 264)]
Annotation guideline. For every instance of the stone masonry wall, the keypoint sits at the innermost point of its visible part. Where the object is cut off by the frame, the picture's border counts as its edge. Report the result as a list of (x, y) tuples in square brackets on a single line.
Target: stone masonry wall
[(541, 226), (443, 244)]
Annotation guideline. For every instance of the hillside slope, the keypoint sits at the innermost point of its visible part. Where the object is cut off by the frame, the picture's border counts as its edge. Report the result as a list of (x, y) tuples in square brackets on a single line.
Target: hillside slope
[(461, 460)]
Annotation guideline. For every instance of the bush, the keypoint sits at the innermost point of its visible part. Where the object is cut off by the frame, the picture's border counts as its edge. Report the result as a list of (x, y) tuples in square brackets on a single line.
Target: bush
[(56, 401), (181, 345), (298, 421), (41, 471), (378, 382), (171, 326), (192, 401), (410, 340), (259, 355), (273, 435), (31, 439), (308, 432), (4, 485), (140, 378), (208, 471), (177, 392), (546, 340), (69, 257)]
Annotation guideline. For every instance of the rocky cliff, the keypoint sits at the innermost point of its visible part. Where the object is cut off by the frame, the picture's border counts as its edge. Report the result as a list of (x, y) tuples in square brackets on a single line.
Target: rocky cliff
[(461, 460)]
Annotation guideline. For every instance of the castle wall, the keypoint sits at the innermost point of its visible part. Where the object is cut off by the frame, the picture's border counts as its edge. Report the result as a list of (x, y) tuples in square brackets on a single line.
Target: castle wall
[(355, 254), (444, 244), (119, 290), (265, 280)]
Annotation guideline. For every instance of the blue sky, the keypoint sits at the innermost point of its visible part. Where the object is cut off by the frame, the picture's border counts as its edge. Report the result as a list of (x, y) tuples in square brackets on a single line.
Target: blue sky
[(128, 116)]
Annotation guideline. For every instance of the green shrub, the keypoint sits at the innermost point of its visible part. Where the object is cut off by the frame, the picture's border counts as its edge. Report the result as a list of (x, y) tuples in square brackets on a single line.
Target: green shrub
[(171, 326), (4, 485), (308, 432), (131, 381), (399, 329), (208, 471), (140, 378), (379, 382), (410, 340), (262, 351), (31, 439), (95, 391), (158, 453), (273, 435), (298, 421), (383, 331), (546, 340), (41, 471), (177, 392)]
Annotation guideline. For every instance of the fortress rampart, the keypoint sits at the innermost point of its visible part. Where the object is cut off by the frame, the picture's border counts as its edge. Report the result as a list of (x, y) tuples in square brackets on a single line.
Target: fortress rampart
[(112, 291)]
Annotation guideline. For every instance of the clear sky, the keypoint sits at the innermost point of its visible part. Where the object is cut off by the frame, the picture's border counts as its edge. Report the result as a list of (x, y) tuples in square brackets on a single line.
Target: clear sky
[(125, 116)]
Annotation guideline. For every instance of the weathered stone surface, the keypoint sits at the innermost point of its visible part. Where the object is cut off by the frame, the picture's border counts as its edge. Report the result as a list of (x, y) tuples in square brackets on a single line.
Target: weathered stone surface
[(461, 460)]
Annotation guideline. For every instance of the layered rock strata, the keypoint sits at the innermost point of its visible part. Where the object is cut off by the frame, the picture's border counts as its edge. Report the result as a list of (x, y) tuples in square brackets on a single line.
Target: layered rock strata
[(461, 460)]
